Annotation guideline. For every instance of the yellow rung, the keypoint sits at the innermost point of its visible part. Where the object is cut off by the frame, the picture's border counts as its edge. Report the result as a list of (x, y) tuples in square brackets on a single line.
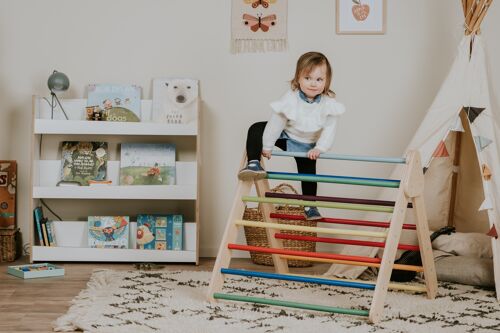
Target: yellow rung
[(312, 229), (354, 263)]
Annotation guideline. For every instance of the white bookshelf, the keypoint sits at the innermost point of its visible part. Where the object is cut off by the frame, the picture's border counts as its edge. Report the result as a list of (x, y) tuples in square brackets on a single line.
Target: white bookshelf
[(45, 174)]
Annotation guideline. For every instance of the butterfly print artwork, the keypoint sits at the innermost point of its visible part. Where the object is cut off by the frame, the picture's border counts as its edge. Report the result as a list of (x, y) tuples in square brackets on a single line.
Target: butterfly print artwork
[(259, 22), (256, 3)]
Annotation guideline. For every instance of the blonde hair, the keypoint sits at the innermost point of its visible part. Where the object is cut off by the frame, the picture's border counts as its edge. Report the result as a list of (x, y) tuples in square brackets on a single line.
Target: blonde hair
[(305, 65)]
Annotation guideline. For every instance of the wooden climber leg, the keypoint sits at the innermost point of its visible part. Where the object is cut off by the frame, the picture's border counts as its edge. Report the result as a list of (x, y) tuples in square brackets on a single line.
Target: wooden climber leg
[(412, 187), (230, 234)]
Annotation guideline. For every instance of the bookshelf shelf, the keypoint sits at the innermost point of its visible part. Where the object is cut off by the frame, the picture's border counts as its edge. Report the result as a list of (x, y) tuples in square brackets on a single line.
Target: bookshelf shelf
[(71, 236)]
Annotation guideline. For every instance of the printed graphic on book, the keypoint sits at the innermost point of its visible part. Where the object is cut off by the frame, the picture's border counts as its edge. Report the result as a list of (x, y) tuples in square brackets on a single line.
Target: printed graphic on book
[(159, 232), (175, 101), (147, 164), (108, 232), (83, 162), (151, 232), (114, 102), (8, 184)]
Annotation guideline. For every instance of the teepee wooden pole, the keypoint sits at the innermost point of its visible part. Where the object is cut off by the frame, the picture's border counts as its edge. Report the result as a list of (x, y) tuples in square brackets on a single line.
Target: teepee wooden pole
[(454, 177)]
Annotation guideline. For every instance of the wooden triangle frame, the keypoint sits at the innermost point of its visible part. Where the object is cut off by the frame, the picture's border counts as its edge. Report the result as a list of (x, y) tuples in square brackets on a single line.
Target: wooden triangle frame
[(410, 190)]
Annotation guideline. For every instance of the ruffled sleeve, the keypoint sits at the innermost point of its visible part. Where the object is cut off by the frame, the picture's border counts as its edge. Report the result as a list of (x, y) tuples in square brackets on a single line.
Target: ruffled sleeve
[(333, 108), (286, 105)]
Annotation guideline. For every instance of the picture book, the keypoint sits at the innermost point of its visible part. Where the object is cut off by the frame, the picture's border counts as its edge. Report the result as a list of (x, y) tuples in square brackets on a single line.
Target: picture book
[(114, 102), (8, 184), (108, 232), (147, 164), (159, 232), (151, 232), (175, 101), (83, 162)]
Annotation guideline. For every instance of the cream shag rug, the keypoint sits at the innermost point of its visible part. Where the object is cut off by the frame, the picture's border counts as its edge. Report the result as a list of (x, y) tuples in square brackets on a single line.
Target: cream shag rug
[(174, 301)]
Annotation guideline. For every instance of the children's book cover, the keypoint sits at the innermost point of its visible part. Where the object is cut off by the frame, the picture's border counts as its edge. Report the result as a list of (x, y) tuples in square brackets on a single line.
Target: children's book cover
[(175, 100), (83, 162), (108, 232), (8, 184), (147, 164), (151, 232), (117, 102)]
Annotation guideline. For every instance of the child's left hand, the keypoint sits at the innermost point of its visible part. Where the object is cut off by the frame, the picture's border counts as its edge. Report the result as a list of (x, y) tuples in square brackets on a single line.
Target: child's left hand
[(313, 154)]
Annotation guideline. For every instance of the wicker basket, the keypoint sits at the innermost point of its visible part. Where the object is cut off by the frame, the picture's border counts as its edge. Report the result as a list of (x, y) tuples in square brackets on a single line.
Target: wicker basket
[(258, 237), (9, 240)]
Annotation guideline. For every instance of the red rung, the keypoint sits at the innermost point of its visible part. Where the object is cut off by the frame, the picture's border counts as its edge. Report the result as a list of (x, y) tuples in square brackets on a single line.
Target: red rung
[(343, 241), (342, 221), (302, 253)]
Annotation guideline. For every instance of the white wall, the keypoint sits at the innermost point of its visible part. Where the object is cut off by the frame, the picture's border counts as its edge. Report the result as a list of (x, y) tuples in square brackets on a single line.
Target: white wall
[(386, 82)]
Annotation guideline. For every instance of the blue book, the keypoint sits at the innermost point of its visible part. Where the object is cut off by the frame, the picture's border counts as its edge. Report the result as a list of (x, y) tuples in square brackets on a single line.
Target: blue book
[(177, 233), (151, 232), (170, 225), (38, 215)]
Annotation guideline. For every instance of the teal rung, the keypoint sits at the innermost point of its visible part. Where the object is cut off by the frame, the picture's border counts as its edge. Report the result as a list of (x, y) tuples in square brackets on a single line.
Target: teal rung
[(297, 305)]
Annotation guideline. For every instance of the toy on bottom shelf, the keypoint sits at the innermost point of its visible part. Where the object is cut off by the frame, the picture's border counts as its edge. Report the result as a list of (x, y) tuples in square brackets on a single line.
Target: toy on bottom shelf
[(35, 271)]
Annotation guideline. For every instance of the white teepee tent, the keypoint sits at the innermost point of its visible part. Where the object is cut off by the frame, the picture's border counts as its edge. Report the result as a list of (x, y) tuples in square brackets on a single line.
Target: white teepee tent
[(459, 144)]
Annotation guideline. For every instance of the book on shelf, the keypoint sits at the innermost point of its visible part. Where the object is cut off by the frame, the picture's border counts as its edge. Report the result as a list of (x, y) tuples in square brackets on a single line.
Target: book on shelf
[(175, 100), (51, 233), (159, 232), (38, 217), (147, 164), (114, 102), (108, 232), (83, 162), (8, 184)]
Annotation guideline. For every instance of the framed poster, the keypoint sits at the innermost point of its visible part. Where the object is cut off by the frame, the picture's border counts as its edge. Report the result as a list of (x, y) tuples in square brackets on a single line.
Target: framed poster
[(361, 17)]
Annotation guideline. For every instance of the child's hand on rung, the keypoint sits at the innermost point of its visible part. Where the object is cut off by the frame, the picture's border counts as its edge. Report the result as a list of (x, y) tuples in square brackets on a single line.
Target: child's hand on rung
[(313, 154), (266, 154)]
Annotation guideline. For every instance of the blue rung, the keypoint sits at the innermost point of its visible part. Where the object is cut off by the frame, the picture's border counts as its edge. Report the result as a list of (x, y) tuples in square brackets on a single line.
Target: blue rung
[(293, 278)]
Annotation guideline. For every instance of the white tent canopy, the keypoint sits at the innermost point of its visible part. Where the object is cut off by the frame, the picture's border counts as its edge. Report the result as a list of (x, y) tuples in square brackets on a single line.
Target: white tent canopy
[(459, 144)]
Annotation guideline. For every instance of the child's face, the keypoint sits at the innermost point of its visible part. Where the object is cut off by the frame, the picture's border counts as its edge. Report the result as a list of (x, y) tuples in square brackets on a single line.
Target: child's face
[(313, 83)]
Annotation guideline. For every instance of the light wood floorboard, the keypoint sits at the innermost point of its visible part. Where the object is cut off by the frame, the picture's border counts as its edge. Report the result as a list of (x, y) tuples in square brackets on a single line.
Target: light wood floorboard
[(31, 305)]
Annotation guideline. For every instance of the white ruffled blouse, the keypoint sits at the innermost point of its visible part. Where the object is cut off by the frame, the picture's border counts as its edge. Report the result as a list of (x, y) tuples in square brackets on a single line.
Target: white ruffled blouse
[(302, 121)]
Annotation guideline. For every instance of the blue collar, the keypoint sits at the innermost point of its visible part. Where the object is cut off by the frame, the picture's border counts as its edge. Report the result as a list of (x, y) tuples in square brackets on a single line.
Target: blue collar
[(303, 97)]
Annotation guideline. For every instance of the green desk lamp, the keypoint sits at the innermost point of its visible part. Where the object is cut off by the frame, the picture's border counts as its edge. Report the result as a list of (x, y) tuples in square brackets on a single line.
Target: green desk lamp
[(57, 82)]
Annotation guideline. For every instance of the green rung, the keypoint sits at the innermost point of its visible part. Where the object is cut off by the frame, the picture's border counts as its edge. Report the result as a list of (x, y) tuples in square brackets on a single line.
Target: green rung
[(337, 205), (288, 304)]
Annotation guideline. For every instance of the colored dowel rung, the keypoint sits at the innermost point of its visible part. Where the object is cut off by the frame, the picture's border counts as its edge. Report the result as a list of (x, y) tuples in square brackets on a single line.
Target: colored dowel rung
[(330, 231), (331, 156), (332, 199), (341, 221), (296, 278), (336, 205), (271, 250), (288, 304), (343, 241), (353, 263), (334, 179), (393, 286)]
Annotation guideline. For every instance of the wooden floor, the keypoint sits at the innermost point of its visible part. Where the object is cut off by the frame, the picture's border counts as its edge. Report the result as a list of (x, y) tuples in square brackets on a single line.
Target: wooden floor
[(32, 305)]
